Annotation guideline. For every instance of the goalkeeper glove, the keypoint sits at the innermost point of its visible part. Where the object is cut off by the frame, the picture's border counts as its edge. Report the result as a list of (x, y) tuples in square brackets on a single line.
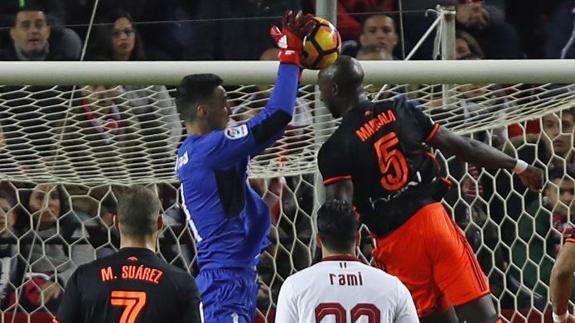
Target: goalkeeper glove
[(295, 26)]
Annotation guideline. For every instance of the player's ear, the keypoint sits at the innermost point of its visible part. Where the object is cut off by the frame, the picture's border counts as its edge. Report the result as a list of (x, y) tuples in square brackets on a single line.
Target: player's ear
[(334, 89), (201, 110), (115, 221), (357, 239), (160, 222), (362, 39), (318, 240), (13, 33)]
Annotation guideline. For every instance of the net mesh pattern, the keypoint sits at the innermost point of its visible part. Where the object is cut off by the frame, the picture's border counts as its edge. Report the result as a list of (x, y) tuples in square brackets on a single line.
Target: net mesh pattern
[(65, 149)]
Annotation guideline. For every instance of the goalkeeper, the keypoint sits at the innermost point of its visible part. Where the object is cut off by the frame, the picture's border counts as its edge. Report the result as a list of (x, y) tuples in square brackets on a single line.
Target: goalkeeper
[(229, 220)]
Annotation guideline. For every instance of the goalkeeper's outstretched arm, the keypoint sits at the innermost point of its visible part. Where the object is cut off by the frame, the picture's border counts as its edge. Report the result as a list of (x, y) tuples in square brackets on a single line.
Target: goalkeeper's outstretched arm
[(483, 155)]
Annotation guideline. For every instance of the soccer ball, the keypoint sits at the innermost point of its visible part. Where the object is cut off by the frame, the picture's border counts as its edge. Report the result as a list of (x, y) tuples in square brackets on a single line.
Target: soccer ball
[(321, 46)]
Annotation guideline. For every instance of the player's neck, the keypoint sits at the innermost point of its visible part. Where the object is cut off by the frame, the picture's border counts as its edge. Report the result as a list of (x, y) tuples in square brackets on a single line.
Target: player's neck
[(197, 129), (138, 243), (353, 102), (325, 253)]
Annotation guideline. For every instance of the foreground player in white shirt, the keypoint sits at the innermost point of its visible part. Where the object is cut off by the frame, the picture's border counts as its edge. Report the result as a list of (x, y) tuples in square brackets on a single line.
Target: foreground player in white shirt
[(340, 288)]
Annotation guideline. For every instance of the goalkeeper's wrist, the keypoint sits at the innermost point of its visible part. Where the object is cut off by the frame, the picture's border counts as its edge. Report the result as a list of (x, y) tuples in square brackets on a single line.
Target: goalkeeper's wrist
[(520, 166), (290, 56), (560, 318)]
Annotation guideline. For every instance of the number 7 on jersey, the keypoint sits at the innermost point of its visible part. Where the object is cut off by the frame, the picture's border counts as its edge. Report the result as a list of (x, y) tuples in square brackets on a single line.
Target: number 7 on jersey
[(133, 301)]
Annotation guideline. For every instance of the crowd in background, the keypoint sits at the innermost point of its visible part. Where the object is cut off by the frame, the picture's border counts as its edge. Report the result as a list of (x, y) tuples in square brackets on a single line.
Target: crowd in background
[(47, 230)]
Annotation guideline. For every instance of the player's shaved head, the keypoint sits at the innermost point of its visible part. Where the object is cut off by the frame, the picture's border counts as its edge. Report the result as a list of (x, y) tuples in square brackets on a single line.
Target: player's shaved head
[(346, 72), (337, 226), (138, 211), (341, 83)]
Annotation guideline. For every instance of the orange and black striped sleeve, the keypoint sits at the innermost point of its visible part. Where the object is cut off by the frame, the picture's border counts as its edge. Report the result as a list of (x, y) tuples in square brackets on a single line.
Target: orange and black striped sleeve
[(334, 162)]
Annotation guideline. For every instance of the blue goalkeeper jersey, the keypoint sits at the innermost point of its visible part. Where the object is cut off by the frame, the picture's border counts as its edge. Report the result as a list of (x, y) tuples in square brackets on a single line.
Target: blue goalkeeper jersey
[(228, 218)]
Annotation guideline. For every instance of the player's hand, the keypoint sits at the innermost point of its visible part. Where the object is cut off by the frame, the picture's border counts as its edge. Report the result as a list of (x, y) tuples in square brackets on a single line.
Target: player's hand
[(532, 177), (295, 26), (51, 290)]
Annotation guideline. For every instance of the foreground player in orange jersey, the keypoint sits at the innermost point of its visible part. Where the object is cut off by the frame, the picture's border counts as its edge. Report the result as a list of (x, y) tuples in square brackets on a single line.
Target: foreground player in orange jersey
[(380, 159)]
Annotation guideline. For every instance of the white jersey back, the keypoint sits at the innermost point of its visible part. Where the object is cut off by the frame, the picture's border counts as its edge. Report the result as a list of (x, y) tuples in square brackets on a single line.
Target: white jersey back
[(340, 290)]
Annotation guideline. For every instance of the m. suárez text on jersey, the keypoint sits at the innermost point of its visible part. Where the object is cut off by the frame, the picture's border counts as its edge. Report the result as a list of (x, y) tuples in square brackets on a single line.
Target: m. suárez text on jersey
[(131, 272)]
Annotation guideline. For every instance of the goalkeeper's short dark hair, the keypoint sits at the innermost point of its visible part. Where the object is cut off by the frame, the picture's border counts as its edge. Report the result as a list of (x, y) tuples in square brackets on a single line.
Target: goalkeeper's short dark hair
[(138, 211), (337, 225), (195, 89)]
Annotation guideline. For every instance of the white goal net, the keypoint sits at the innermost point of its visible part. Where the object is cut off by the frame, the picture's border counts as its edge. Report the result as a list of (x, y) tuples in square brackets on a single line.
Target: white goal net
[(65, 147)]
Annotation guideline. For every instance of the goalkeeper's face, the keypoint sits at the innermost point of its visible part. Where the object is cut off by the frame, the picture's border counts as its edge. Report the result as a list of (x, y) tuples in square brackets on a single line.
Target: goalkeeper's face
[(30, 32), (218, 112)]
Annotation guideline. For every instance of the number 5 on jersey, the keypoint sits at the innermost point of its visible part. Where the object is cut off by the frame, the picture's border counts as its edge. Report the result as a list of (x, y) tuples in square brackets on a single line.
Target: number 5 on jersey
[(133, 301), (392, 163)]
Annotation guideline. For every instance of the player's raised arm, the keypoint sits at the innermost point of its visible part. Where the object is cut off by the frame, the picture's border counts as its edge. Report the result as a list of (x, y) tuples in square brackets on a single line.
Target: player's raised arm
[(561, 282), (483, 155), (203, 104)]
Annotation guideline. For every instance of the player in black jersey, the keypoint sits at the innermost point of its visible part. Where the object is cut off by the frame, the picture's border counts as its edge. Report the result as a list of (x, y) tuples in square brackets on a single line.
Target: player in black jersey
[(380, 159), (133, 285)]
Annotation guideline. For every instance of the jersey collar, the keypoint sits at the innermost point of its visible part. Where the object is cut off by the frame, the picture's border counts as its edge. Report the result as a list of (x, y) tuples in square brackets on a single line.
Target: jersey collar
[(341, 258), (136, 251)]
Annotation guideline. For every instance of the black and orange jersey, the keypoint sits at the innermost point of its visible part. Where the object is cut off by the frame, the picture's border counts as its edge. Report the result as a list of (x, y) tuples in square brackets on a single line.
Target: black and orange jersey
[(382, 148), (133, 285)]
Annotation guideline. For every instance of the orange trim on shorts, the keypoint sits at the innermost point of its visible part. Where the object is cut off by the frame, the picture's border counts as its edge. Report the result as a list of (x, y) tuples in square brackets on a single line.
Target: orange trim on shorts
[(433, 132), (336, 179), (572, 240)]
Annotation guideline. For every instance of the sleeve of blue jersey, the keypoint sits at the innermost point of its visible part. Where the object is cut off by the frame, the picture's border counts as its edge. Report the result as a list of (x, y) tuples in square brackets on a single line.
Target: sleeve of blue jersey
[(227, 147), (283, 96)]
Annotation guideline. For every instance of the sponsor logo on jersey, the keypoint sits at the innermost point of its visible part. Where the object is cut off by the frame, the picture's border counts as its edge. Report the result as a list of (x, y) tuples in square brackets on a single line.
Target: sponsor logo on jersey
[(236, 132), (182, 160)]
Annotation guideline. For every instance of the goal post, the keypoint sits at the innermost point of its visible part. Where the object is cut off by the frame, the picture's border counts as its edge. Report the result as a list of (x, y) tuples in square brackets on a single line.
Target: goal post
[(264, 72)]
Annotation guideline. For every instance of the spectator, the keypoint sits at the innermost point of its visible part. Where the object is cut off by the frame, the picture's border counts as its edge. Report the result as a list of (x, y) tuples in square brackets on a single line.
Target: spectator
[(152, 105), (29, 117), (466, 46), (374, 52), (9, 264), (164, 25), (377, 29), (55, 246), (540, 230), (30, 33), (102, 127), (482, 19), (349, 14), (555, 143)]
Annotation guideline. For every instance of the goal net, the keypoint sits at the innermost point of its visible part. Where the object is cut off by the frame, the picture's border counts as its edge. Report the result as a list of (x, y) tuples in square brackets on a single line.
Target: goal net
[(66, 146)]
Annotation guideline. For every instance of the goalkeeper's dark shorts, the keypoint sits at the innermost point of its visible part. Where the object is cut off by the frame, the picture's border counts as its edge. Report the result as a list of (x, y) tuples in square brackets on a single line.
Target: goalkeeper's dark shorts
[(432, 257), (228, 295)]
